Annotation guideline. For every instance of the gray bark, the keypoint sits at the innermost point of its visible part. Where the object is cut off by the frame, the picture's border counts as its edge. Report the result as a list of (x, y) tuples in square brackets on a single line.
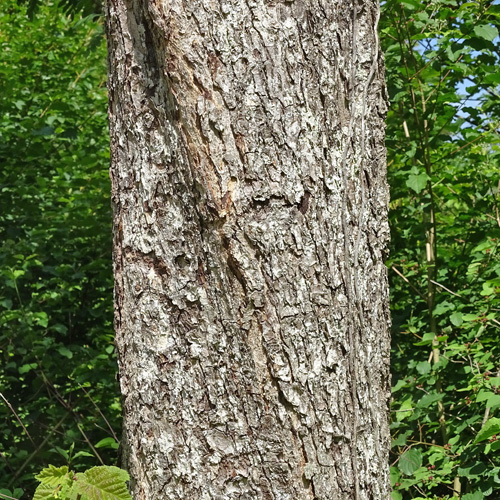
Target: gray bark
[(250, 224)]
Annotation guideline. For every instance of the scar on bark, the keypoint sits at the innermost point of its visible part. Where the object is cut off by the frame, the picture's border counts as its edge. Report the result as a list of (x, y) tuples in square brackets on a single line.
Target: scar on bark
[(304, 203), (233, 265)]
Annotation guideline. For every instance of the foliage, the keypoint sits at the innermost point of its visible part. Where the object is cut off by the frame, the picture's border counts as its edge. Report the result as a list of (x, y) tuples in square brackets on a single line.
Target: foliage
[(443, 149), (57, 364), (71, 7), (97, 483)]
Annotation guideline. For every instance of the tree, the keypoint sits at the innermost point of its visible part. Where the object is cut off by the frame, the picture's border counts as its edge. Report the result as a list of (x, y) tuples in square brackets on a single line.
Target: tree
[(250, 230)]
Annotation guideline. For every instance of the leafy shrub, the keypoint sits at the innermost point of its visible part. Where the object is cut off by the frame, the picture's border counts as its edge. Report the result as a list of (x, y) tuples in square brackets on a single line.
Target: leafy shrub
[(57, 362), (443, 152)]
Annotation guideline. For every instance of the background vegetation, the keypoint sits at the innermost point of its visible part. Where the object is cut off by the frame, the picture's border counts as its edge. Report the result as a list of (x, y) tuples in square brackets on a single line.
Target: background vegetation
[(59, 398), (58, 393), (443, 150)]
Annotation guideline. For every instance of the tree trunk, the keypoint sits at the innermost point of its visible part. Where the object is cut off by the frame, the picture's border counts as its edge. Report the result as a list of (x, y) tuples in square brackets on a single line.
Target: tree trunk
[(250, 224)]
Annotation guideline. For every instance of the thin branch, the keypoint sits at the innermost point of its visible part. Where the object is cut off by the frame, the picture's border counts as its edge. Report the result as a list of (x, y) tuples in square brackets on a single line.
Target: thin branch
[(4, 458), (421, 295), (89, 443), (17, 418), (447, 289), (7, 496), (35, 453), (70, 410), (100, 413)]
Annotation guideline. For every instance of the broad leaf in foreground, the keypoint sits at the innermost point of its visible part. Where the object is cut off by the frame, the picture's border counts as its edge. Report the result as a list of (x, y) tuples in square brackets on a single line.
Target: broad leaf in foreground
[(410, 461), (53, 476), (102, 483), (45, 492)]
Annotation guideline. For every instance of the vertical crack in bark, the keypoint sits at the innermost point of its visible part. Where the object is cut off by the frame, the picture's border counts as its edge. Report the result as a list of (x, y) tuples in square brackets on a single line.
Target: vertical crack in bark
[(351, 293)]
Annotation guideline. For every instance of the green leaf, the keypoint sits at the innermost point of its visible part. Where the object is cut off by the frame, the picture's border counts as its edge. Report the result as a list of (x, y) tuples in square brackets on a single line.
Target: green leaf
[(492, 447), (476, 470), (429, 399), (456, 319), (17, 273), (401, 383), (396, 495), (54, 482), (5, 493), (417, 182), (486, 32), (410, 461), (400, 441), (490, 428), (478, 495), (44, 131), (493, 401), (27, 368), (492, 78), (488, 289), (82, 454), (64, 351), (395, 475), (443, 307), (470, 317), (41, 319), (60, 328), (61, 452), (483, 395), (45, 492), (427, 339), (423, 367), (411, 4), (53, 476), (108, 442), (7, 303), (406, 405), (103, 483)]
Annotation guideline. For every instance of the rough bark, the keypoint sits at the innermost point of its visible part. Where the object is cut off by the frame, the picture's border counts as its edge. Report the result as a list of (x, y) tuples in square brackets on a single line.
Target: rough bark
[(250, 217)]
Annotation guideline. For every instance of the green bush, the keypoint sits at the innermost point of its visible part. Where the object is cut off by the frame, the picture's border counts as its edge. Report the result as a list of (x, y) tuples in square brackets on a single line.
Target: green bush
[(57, 377), (443, 151)]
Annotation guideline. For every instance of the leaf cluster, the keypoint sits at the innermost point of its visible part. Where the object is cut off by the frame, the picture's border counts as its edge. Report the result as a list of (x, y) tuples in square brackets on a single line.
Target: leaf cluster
[(442, 63), (98, 483), (59, 394)]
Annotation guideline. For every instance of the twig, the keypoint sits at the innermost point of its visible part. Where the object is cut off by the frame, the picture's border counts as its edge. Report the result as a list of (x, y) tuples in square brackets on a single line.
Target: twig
[(89, 443), (427, 444), (4, 458), (17, 418), (75, 416), (447, 289), (7, 496), (487, 411), (100, 413), (35, 453), (416, 290), (497, 322)]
